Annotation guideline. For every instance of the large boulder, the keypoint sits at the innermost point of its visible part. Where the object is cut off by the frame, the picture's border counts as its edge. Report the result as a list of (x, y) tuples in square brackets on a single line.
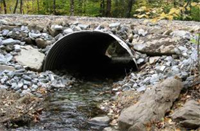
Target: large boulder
[(151, 107), (189, 115), (31, 58), (158, 46)]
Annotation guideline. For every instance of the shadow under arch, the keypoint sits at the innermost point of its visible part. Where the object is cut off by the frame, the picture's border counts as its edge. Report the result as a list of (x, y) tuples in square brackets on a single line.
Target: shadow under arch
[(84, 52)]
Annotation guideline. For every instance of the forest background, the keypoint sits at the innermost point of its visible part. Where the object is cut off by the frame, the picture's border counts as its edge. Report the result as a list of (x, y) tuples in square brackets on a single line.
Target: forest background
[(151, 9)]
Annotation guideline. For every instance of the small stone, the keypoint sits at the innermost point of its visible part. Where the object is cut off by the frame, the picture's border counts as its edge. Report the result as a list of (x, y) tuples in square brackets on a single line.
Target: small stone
[(182, 34), (142, 88), (154, 78), (83, 26), (58, 27), (140, 61), (114, 25), (5, 32), (34, 35), (41, 43), (142, 32), (101, 120), (175, 70), (68, 30), (10, 41), (139, 47), (17, 48), (4, 67), (153, 59)]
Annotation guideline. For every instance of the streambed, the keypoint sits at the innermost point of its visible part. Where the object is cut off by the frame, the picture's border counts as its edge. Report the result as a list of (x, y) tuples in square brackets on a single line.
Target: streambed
[(70, 109)]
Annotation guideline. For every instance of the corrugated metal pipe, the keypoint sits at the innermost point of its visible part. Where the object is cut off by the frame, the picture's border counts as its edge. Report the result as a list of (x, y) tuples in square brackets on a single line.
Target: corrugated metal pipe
[(85, 52)]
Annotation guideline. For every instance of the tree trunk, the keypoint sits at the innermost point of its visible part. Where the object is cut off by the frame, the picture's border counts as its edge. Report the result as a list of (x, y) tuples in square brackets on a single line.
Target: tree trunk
[(15, 6), (80, 4), (108, 8), (72, 7), (54, 7), (102, 8), (130, 4), (38, 6), (21, 5), (4, 5)]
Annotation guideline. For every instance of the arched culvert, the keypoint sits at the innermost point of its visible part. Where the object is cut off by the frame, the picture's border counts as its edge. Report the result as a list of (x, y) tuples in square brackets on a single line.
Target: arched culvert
[(84, 52)]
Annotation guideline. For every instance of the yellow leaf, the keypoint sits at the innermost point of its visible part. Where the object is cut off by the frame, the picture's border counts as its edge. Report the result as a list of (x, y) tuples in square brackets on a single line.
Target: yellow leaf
[(163, 15), (143, 16), (155, 20), (188, 8), (193, 4), (169, 17), (174, 11), (141, 9)]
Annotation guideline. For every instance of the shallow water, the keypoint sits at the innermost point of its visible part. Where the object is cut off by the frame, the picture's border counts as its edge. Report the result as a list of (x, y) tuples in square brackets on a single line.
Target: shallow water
[(70, 109)]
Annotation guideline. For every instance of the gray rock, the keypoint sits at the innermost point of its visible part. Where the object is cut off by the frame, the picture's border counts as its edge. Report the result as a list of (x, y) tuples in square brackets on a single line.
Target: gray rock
[(140, 61), (175, 70), (10, 41), (4, 22), (31, 58), (182, 34), (34, 35), (142, 88), (41, 43), (68, 30), (153, 59), (152, 106), (101, 120), (83, 26), (154, 78), (4, 67), (5, 59), (114, 25), (1, 41), (17, 48), (139, 47), (160, 69), (189, 115), (142, 32), (5, 32), (57, 27)]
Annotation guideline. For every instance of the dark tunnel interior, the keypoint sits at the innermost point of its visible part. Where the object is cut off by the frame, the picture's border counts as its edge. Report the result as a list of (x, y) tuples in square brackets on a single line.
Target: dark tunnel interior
[(84, 54)]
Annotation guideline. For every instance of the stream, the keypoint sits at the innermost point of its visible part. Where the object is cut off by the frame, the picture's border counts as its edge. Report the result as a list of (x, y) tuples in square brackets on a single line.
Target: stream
[(70, 109)]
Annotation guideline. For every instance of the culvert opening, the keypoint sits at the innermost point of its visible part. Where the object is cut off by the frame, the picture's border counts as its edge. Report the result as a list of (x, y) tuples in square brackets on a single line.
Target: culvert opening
[(91, 53)]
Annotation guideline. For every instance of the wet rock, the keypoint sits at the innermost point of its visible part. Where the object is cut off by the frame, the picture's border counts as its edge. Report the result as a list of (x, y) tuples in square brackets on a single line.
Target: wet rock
[(4, 67), (188, 116), (160, 99), (101, 120), (31, 58)]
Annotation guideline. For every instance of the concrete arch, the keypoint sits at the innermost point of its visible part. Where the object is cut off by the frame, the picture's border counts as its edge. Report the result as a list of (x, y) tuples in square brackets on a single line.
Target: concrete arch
[(82, 49)]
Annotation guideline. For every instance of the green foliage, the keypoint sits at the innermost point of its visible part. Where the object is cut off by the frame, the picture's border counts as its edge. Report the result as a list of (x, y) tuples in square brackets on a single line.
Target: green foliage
[(151, 9)]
